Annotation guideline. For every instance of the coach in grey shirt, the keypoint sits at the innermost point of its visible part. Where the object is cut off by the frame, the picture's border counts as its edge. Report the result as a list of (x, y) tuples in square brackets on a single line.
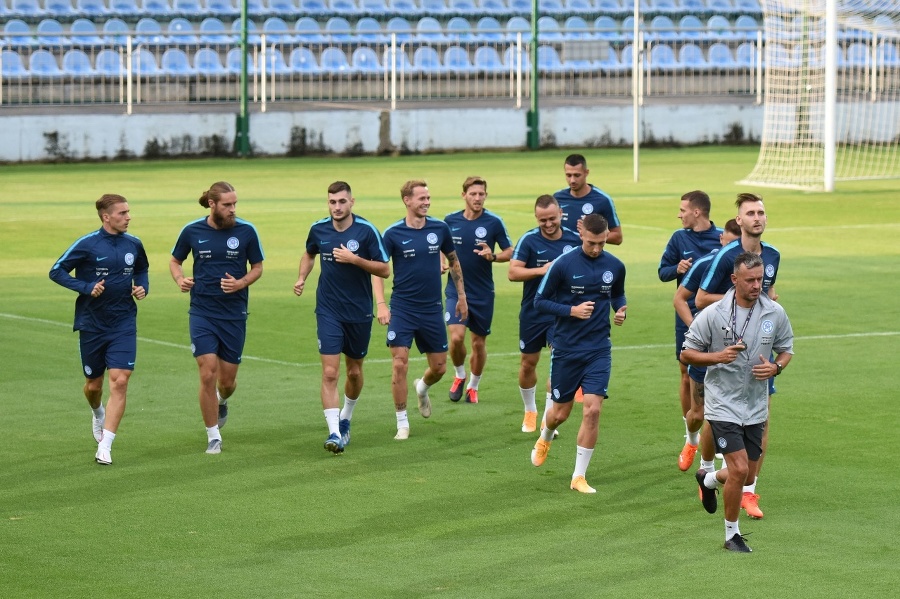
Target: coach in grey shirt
[(733, 338)]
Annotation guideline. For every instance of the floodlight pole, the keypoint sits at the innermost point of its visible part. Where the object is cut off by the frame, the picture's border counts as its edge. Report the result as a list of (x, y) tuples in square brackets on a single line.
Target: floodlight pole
[(534, 130), (242, 131)]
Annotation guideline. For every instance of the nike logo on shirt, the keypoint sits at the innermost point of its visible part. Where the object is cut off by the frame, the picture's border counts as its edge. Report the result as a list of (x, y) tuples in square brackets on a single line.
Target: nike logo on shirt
[(541, 252), (101, 258), (454, 228), (577, 276), (686, 252), (405, 241), (202, 240)]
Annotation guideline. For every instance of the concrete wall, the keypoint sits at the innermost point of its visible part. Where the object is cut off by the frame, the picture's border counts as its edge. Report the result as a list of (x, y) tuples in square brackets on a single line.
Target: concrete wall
[(363, 130)]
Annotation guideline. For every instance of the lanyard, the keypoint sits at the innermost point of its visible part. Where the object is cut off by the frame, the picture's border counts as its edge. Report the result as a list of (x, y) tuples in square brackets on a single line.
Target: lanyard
[(739, 340)]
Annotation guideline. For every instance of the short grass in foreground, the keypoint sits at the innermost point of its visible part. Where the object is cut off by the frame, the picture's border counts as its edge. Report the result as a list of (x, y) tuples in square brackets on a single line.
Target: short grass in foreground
[(457, 510)]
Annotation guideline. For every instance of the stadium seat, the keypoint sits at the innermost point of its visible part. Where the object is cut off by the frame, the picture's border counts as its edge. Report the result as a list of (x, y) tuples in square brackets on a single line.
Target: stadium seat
[(429, 31), (213, 31), (84, 33), (459, 30), (175, 63), (518, 25), (59, 9), (662, 58), (662, 28), (189, 9), (233, 62), (334, 61), (551, 7), (690, 27), (286, 9), (222, 8), (50, 33), (369, 31), (157, 8), (690, 56), (548, 30), (180, 31), (548, 60), (314, 8), (456, 60), (109, 63), (365, 61), (576, 28), (462, 8), (18, 33), (13, 66), (255, 8), (748, 6), (512, 58), (668, 7), (887, 55), (405, 7), (520, 7), (303, 62), (426, 60), (745, 55), (626, 30), (610, 63), (308, 31), (776, 55), (125, 9), (115, 31), (373, 8), (277, 31), (720, 6), (607, 28), (487, 60), (274, 62), (149, 31), (611, 7), (92, 9), (144, 63), (489, 30), (42, 63), (746, 27), (626, 57), (495, 8), (337, 30), (580, 7), (77, 64), (27, 9), (344, 8), (252, 35), (719, 28), (719, 56), (207, 62), (885, 23), (400, 61), (400, 28)]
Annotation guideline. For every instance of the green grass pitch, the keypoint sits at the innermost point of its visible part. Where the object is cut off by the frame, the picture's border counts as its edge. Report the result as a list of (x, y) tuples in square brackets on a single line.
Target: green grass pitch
[(457, 510)]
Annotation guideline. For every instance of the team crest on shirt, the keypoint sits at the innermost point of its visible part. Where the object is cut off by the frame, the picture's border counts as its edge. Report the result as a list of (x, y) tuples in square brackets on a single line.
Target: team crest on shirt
[(432, 238), (608, 277), (770, 270), (87, 370), (722, 442), (767, 326), (129, 258), (481, 232), (568, 249), (352, 245), (587, 208), (233, 243)]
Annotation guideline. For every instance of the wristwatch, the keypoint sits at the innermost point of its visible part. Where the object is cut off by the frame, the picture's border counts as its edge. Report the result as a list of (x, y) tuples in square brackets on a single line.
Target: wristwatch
[(779, 367)]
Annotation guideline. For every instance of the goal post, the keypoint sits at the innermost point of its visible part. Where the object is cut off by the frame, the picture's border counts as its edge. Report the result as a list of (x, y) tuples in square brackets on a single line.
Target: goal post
[(832, 93)]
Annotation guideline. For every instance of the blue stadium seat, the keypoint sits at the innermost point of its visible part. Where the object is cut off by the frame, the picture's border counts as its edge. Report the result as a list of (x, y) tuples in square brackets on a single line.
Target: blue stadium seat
[(400, 62), (659, 6), (576, 28), (175, 63), (277, 31), (720, 7), (435, 8), (548, 30), (887, 55), (719, 28), (662, 28), (495, 8), (626, 58), (109, 63), (512, 58), (746, 27), (18, 33), (337, 30), (690, 27), (402, 7), (190, 9), (207, 62), (124, 9), (222, 8), (610, 63), (334, 61), (233, 62), (627, 28), (346, 8), (373, 8), (461, 8), (551, 7), (307, 31), (157, 8), (777, 56), (748, 6), (487, 60), (456, 60), (303, 62), (459, 30), (92, 9), (517, 25), (429, 31), (426, 60), (548, 60), (144, 63), (662, 58), (84, 33), (369, 31), (745, 55), (607, 28), (255, 8), (581, 7), (400, 27), (42, 63), (274, 62), (719, 56), (520, 7), (213, 31), (885, 23), (181, 31), (690, 56), (314, 8), (27, 9), (365, 61), (611, 7), (286, 9), (77, 64), (149, 31), (50, 33), (59, 9), (115, 31), (695, 7), (489, 29), (13, 66), (252, 35)]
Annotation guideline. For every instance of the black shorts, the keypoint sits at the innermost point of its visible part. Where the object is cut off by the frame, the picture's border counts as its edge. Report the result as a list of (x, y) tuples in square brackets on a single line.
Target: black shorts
[(730, 437)]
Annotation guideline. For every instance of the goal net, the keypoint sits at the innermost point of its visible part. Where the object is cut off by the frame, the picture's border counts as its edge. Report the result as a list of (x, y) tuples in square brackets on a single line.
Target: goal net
[(829, 117)]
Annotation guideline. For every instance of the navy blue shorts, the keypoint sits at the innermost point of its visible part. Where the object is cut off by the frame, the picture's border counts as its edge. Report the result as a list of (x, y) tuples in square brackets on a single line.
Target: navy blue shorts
[(100, 351), (570, 370), (730, 437), (349, 338), (680, 330), (534, 336), (428, 330), (698, 373), (481, 315), (224, 338)]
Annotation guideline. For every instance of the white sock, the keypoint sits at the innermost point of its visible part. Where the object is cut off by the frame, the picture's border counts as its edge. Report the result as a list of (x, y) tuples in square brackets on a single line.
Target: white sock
[(99, 413), (106, 441), (547, 434), (460, 371), (528, 399), (402, 420), (212, 432), (693, 438), (686, 431), (582, 460), (709, 466), (731, 529), (421, 387), (751, 488), (331, 418), (546, 407), (473, 381), (710, 481), (220, 398), (347, 410)]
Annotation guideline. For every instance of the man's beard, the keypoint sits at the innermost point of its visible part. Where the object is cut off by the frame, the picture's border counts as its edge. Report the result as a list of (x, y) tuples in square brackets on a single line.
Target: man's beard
[(223, 222)]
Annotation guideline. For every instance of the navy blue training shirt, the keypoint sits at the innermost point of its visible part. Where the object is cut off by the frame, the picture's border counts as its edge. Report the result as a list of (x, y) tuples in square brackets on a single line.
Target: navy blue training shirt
[(535, 250), (718, 276), (595, 202), (416, 255), (478, 277)]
